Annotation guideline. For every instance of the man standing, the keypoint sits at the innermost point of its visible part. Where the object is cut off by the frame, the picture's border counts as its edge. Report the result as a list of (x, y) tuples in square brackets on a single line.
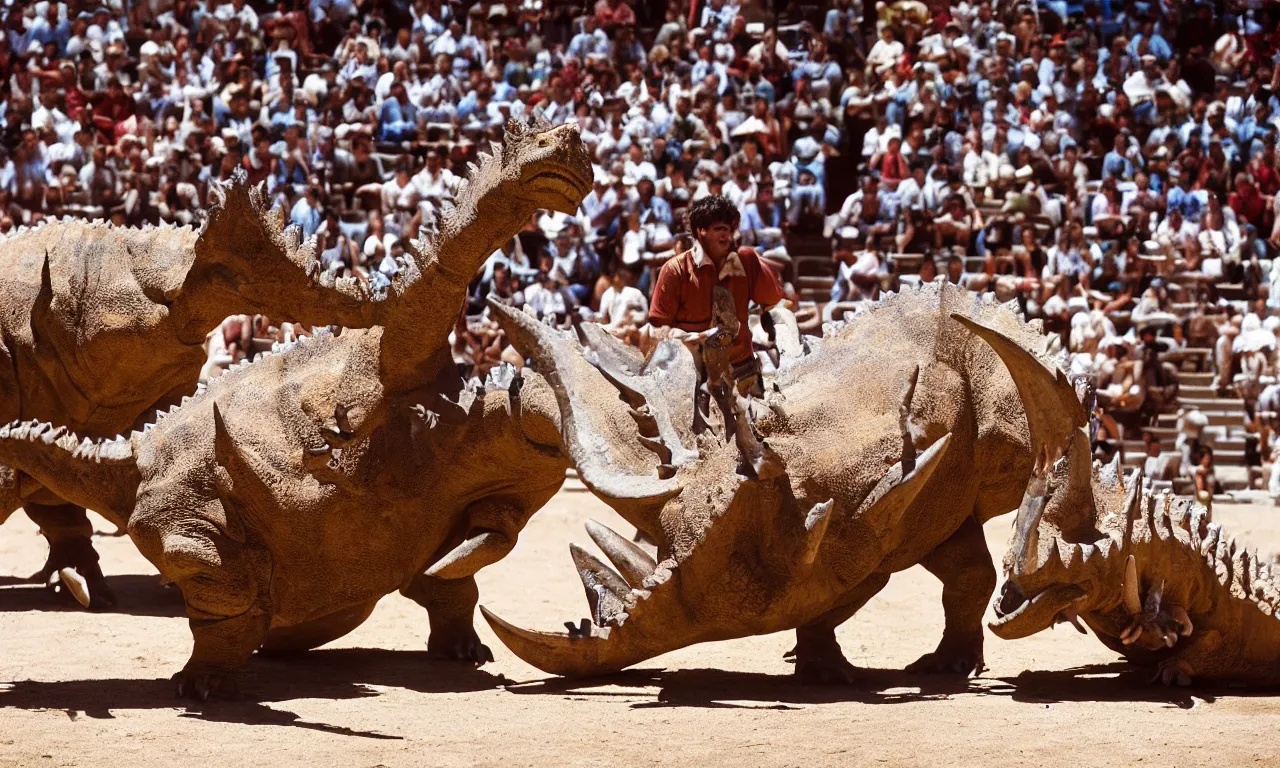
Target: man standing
[(682, 305)]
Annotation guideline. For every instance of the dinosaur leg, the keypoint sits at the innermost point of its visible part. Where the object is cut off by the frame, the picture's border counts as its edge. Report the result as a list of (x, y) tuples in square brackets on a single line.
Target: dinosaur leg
[(818, 656), (216, 575), (963, 564), (71, 553), (451, 605), (1195, 657)]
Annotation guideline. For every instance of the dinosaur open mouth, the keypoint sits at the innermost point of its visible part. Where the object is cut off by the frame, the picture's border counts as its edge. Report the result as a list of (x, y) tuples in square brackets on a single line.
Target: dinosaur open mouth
[(566, 187), (1018, 616)]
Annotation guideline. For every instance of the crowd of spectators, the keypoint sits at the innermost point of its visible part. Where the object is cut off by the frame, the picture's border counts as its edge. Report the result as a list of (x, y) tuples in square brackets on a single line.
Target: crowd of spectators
[(1110, 166)]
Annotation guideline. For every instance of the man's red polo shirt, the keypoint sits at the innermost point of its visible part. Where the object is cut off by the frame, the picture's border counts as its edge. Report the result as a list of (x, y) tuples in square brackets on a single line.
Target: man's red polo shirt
[(682, 293)]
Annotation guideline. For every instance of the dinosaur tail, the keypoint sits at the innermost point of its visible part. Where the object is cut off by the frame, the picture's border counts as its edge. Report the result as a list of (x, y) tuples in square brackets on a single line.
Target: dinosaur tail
[(101, 475)]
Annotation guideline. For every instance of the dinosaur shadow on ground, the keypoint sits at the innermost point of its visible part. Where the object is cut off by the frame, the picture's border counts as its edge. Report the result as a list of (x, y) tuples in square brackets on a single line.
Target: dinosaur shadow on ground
[(716, 689), (336, 675), (136, 595)]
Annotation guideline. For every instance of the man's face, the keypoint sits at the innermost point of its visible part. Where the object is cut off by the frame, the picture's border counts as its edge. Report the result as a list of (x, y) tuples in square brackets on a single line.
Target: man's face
[(717, 240)]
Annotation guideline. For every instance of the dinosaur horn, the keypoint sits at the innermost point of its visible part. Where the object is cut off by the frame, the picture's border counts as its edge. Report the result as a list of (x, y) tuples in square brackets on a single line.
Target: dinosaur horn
[(1132, 601), (596, 429), (889, 499), (538, 167), (785, 332), (815, 527), (1133, 497), (481, 549), (1048, 398), (101, 475), (634, 563), (904, 422), (665, 386), (627, 625), (1026, 526)]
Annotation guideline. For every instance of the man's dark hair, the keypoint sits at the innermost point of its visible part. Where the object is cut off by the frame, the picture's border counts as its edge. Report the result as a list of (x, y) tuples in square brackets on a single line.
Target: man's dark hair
[(711, 210)]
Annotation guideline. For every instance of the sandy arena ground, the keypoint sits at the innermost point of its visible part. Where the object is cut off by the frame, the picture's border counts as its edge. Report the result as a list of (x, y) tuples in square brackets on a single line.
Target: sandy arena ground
[(92, 690)]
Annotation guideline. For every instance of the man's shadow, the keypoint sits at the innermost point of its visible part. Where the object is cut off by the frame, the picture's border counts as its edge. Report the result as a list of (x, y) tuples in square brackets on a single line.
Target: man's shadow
[(337, 674)]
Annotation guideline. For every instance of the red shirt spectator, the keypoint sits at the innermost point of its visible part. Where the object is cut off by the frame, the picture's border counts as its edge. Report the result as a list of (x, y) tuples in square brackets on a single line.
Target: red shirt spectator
[(113, 110), (1264, 172), (1247, 202)]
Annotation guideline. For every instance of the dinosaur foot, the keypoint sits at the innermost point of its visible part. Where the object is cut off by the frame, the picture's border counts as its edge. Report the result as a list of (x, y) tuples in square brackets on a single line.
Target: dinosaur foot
[(202, 681), (955, 655), (1173, 671), (72, 567), (826, 666), (459, 646)]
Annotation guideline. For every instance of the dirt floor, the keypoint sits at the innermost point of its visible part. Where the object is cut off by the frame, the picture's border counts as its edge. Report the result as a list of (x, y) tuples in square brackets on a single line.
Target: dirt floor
[(92, 690)]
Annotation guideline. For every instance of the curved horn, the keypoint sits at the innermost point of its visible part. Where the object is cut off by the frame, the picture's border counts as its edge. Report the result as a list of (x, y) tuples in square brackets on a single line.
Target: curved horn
[(632, 561), (577, 655), (890, 498), (1052, 408), (475, 552), (1132, 600), (643, 623), (786, 332), (1026, 526), (594, 423)]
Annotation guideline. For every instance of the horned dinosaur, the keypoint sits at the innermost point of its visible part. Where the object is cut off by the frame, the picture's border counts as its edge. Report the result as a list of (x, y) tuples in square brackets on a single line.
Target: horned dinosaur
[(886, 443), (294, 492), (1150, 573), (103, 325)]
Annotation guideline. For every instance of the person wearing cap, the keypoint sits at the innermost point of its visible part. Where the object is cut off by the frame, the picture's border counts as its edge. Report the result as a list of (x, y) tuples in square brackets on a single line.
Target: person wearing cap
[(682, 301)]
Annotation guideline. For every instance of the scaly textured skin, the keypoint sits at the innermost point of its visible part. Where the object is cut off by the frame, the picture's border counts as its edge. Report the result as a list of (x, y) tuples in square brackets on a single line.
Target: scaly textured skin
[(105, 324), (294, 492), (886, 444), (1150, 574)]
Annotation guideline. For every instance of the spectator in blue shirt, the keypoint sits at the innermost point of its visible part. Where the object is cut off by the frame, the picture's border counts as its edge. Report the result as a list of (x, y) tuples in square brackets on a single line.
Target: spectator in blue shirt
[(1184, 200), (1155, 44), (306, 212), (399, 118), (1116, 165)]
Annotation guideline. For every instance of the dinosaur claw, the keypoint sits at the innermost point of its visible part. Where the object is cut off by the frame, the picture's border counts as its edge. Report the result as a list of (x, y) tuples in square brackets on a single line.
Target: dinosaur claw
[(197, 681), (76, 584)]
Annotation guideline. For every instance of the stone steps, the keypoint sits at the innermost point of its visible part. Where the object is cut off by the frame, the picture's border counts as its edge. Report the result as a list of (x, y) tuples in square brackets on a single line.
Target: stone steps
[(1211, 403)]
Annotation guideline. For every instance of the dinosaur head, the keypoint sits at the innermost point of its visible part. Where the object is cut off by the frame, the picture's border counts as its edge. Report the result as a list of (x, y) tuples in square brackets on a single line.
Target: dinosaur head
[(247, 260), (739, 540), (1070, 547), (537, 167)]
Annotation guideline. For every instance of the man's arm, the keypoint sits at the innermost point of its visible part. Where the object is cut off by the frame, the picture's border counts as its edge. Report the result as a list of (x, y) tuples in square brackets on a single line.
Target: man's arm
[(766, 289), (663, 307)]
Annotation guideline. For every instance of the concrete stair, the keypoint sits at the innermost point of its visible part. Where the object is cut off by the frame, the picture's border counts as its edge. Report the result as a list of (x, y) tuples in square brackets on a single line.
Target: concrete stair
[(1226, 432)]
